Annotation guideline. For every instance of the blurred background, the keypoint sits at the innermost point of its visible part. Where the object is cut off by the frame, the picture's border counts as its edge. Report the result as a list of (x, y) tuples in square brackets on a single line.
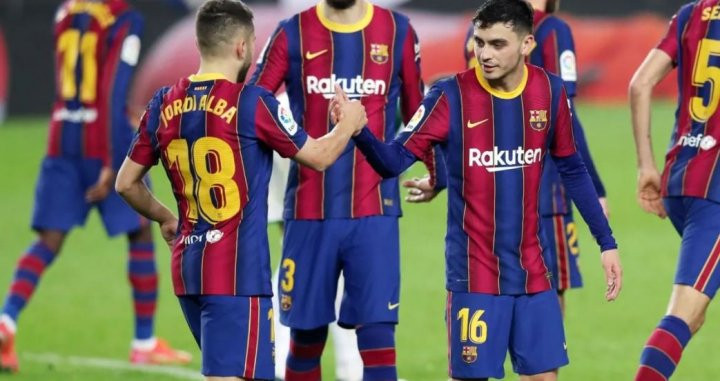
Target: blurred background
[(612, 38)]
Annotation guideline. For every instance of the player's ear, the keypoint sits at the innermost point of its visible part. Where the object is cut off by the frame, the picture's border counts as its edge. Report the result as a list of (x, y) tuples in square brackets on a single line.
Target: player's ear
[(528, 44)]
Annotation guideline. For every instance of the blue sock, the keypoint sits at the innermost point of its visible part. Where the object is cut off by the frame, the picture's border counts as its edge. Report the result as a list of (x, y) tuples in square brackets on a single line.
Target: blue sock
[(28, 272), (306, 347), (376, 343), (143, 279), (663, 350)]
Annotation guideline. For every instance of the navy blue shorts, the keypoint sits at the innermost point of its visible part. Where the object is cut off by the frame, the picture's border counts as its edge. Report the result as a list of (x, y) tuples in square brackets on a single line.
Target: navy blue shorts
[(235, 334), (60, 198), (366, 250), (562, 251), (483, 328), (698, 222)]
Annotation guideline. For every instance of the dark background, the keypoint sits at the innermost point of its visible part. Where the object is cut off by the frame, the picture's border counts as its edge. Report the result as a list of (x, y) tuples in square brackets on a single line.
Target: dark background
[(27, 25)]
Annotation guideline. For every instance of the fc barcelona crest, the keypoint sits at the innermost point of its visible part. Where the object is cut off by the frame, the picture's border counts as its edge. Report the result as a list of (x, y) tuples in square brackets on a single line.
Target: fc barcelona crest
[(469, 354), (538, 119), (379, 53)]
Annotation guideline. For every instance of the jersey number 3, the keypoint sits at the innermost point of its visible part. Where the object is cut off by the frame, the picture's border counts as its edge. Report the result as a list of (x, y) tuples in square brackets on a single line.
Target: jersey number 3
[(215, 195), (706, 74)]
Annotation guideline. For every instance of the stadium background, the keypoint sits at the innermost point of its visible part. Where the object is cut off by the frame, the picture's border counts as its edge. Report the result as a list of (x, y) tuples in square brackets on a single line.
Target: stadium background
[(78, 325)]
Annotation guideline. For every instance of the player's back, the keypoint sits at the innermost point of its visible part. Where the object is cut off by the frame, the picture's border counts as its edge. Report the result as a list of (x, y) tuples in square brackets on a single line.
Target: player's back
[(92, 37), (693, 42), (205, 131)]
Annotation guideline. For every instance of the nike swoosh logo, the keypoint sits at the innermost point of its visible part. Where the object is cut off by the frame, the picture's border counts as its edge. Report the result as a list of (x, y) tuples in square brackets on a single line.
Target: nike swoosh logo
[(393, 306), (473, 125), (311, 56)]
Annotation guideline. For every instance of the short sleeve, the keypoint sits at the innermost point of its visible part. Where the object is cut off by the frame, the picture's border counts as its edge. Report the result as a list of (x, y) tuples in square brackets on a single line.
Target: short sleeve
[(567, 59), (430, 125), (276, 127), (563, 141), (144, 149), (669, 43)]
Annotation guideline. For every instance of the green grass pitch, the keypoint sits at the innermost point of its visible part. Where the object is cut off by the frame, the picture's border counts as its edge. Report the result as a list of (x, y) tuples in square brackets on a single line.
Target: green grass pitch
[(78, 325)]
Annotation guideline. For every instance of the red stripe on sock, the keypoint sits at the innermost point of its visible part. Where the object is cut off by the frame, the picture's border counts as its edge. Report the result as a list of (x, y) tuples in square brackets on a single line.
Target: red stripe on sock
[(144, 283), (145, 309), (137, 255), (667, 343), (306, 351), (31, 263), (310, 375), (23, 288), (378, 357), (646, 373)]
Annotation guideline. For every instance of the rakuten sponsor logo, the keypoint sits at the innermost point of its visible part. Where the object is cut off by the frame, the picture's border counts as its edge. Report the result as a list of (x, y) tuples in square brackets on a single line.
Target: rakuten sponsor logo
[(503, 160), (704, 142), (354, 87)]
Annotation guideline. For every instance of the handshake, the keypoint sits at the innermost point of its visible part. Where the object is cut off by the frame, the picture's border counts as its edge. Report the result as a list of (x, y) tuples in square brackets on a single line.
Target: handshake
[(347, 115)]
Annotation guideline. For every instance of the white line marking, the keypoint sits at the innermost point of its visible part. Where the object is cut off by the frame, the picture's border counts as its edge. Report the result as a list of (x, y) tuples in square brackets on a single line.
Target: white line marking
[(105, 363)]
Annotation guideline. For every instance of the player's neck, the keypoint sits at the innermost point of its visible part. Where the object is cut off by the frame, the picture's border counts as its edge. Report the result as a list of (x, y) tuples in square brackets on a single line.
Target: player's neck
[(227, 70), (539, 5), (348, 16), (510, 82)]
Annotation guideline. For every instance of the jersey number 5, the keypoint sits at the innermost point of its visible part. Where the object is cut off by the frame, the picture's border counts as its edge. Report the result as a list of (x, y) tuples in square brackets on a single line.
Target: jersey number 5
[(73, 45), (215, 195), (705, 73)]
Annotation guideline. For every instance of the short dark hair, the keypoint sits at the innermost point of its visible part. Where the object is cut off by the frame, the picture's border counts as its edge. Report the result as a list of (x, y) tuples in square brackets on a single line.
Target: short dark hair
[(217, 22), (518, 13)]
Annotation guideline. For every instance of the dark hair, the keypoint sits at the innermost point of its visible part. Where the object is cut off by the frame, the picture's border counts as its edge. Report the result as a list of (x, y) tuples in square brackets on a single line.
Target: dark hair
[(518, 13), (217, 22)]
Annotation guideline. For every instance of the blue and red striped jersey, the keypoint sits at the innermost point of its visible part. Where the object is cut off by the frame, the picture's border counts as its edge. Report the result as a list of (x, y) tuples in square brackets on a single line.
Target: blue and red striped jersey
[(495, 145), (216, 139), (376, 61), (97, 45), (691, 162), (555, 52)]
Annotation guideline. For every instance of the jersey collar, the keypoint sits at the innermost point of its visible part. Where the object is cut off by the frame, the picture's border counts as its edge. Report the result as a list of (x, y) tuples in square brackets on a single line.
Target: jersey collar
[(206, 77), (499, 93), (345, 28)]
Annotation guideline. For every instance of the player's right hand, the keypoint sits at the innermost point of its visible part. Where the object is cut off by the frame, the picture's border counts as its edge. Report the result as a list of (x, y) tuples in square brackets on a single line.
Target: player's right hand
[(169, 229), (342, 109), (649, 192), (613, 273), (420, 190)]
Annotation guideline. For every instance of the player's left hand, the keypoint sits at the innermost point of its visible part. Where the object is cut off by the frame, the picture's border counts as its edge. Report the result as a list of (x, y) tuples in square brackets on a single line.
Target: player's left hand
[(613, 273), (102, 187), (420, 190)]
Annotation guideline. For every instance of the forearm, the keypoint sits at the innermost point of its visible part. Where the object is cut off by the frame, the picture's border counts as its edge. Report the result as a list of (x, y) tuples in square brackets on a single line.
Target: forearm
[(388, 160), (319, 154), (579, 186), (656, 66), (584, 150), (640, 100), (139, 197)]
